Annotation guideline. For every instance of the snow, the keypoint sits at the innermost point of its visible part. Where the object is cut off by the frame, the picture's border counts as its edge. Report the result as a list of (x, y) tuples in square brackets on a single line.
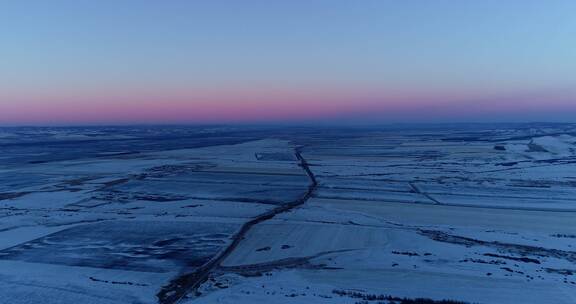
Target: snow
[(438, 213)]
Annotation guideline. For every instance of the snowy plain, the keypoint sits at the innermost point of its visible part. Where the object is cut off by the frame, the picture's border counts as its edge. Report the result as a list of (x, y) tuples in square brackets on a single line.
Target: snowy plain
[(477, 214)]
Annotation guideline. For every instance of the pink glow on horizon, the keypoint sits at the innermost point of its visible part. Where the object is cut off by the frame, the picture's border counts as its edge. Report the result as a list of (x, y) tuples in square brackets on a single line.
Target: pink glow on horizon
[(273, 105)]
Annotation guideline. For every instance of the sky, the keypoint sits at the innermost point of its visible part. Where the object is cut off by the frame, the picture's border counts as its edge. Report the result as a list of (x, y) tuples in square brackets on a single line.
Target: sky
[(217, 61)]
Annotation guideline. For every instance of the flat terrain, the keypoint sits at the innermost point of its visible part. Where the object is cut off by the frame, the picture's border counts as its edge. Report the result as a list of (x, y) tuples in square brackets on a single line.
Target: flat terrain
[(477, 214)]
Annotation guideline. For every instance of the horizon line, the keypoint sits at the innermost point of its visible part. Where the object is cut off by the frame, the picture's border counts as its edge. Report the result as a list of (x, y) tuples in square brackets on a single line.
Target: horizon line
[(279, 124)]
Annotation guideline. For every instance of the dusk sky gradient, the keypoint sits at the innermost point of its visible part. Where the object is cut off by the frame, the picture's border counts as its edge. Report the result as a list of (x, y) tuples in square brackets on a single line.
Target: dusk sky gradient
[(365, 61)]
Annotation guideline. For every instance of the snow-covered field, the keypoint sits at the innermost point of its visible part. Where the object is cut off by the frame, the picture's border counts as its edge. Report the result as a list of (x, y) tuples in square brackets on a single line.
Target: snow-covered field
[(482, 214)]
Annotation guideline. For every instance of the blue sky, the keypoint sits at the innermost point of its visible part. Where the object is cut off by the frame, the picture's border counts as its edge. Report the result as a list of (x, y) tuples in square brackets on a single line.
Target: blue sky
[(81, 60)]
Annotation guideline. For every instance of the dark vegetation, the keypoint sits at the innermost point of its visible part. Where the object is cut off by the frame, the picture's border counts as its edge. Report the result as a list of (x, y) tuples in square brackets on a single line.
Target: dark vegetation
[(387, 299), (524, 259), (93, 279), (565, 272), (519, 249), (480, 261), (565, 236), (408, 253), (11, 195)]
